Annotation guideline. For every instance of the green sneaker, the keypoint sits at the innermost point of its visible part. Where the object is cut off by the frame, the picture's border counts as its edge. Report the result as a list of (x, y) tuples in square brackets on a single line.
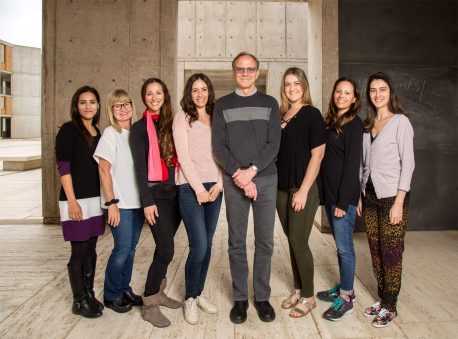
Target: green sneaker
[(338, 309), (329, 295)]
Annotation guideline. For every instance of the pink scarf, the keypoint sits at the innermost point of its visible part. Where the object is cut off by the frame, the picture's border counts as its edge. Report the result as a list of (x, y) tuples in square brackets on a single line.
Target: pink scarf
[(157, 171)]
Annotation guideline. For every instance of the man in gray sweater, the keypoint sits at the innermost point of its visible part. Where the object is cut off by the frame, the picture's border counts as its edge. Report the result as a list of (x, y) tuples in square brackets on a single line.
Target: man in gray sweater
[(245, 140)]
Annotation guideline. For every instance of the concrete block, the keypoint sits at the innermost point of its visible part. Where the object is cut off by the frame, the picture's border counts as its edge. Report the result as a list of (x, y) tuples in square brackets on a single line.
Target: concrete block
[(240, 28), (186, 29), (210, 29), (296, 30), (271, 30)]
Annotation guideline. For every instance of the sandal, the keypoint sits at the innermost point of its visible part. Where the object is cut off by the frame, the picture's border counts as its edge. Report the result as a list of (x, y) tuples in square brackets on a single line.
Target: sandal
[(299, 313), (292, 300)]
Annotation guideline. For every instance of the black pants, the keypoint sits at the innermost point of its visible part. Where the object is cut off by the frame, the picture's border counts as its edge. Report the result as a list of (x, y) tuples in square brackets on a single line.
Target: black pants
[(81, 250), (165, 197)]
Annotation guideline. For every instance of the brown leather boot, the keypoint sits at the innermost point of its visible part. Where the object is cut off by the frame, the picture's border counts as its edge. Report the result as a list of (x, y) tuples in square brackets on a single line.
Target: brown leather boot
[(152, 313), (164, 300)]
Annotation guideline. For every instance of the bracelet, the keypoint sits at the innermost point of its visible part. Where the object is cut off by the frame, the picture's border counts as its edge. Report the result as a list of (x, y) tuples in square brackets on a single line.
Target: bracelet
[(111, 202)]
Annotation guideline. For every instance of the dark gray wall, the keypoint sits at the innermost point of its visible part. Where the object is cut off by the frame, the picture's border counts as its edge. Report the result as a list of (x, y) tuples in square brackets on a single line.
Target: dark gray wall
[(416, 42)]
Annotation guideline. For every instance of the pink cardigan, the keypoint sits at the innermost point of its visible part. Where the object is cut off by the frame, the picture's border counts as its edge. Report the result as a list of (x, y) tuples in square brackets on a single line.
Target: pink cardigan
[(194, 150), (389, 159)]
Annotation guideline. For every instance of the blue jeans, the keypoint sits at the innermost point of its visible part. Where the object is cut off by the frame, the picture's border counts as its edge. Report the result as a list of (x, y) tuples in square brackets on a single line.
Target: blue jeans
[(119, 267), (342, 230), (200, 222)]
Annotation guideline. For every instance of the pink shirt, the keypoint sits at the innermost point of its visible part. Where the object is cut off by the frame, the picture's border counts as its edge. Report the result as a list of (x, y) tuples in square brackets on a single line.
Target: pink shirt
[(193, 147)]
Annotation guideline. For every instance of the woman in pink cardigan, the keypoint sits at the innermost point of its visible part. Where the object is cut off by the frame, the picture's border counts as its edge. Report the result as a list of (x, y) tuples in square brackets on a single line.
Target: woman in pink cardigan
[(387, 167), (200, 185)]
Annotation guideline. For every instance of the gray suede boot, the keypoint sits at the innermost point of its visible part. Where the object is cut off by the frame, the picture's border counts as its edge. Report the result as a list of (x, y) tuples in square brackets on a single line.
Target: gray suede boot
[(152, 313), (164, 300)]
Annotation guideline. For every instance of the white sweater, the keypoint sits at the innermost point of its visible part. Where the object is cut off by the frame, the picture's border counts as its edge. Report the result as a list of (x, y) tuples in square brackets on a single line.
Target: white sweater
[(389, 159)]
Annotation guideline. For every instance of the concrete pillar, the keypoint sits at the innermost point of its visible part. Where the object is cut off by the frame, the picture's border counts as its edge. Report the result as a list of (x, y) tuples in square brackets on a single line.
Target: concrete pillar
[(323, 65), (105, 44)]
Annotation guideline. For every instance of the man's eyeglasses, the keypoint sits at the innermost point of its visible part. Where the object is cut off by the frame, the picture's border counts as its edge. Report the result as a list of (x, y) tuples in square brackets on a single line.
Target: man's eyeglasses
[(241, 70), (125, 105)]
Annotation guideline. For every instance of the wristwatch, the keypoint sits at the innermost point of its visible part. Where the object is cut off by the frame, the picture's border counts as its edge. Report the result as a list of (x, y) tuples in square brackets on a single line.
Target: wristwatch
[(111, 202), (254, 168)]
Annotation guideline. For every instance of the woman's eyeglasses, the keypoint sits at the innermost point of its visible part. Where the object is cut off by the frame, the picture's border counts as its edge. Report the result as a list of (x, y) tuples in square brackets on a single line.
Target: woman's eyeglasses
[(125, 105)]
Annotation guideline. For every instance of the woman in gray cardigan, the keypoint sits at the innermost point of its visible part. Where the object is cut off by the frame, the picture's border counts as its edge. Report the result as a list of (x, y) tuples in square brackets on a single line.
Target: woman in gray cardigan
[(387, 167)]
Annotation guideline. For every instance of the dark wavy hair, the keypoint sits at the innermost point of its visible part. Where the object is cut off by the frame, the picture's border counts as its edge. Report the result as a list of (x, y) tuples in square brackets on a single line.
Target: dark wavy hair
[(188, 105), (75, 114), (165, 121), (394, 104), (331, 118)]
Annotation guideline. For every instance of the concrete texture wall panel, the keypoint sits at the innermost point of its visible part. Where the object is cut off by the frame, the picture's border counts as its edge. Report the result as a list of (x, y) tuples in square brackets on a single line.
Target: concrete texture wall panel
[(296, 31), (187, 29), (211, 29), (240, 28), (104, 43), (271, 30)]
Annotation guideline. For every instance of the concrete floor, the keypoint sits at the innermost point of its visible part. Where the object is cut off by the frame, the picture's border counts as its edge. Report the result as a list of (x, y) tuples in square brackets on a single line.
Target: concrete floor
[(35, 296)]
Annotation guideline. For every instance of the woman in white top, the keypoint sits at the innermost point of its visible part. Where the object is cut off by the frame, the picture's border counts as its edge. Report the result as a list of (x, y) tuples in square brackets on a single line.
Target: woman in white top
[(387, 168), (199, 187), (120, 200)]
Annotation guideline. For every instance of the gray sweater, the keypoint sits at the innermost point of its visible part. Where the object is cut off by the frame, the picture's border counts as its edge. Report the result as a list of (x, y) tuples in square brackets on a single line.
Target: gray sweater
[(246, 131), (389, 159)]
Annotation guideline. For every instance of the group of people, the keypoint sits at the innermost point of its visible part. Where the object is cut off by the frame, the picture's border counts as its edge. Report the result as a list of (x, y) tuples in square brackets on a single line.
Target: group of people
[(165, 168)]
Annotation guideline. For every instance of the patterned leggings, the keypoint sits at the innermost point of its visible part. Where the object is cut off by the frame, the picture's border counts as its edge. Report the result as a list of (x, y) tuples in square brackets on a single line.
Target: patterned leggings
[(386, 243)]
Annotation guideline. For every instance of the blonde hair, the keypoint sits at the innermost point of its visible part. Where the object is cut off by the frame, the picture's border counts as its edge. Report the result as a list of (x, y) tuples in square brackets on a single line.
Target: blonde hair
[(116, 96), (306, 97)]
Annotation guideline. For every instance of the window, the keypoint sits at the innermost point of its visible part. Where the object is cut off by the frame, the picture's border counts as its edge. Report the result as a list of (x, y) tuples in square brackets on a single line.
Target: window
[(2, 53)]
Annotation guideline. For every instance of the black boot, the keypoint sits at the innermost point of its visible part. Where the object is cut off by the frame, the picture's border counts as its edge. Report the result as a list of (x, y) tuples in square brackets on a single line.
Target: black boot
[(89, 275), (81, 305)]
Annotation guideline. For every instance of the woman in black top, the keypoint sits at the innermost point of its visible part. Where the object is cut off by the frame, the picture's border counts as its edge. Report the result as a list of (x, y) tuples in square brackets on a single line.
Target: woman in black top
[(298, 163), (155, 162), (340, 179), (79, 200)]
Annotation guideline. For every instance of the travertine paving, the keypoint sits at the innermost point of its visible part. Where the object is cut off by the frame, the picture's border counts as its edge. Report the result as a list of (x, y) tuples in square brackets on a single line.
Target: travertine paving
[(35, 296)]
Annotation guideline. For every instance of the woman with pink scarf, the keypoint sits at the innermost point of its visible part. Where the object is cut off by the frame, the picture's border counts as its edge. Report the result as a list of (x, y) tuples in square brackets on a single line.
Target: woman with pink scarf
[(155, 161)]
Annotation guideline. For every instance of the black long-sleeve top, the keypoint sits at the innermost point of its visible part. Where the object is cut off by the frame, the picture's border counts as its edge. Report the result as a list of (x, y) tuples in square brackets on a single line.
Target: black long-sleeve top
[(340, 166), (139, 146)]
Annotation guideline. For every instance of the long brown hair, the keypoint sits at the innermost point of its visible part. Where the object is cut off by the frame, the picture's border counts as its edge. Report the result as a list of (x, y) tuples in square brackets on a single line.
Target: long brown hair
[(331, 118), (76, 116), (165, 121), (394, 105), (306, 97), (188, 106)]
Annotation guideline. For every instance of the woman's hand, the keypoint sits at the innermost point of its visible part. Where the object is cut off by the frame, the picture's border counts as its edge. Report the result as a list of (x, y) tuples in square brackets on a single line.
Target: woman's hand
[(114, 217), (214, 192), (299, 200), (359, 209), (151, 214), (203, 197), (338, 213), (74, 211), (396, 214)]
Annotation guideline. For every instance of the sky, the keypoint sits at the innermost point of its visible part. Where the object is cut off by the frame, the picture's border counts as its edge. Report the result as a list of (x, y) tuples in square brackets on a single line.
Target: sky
[(20, 22)]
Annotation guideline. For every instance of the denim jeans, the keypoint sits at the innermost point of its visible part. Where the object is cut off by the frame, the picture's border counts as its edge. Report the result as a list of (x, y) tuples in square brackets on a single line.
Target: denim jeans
[(200, 222), (119, 267), (342, 230)]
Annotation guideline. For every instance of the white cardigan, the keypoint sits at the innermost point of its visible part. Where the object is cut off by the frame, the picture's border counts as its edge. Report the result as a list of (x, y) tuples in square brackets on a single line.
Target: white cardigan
[(389, 159)]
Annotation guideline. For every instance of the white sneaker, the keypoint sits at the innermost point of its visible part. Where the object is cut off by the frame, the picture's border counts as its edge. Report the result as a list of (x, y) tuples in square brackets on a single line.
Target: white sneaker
[(205, 305), (191, 313)]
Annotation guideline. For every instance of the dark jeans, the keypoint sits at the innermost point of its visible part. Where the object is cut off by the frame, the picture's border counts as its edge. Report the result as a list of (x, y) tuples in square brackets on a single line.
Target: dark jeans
[(119, 267), (297, 227), (200, 222), (81, 250), (165, 198)]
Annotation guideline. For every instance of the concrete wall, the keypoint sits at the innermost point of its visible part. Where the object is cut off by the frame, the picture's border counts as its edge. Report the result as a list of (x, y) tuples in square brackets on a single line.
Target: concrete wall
[(105, 44), (212, 33), (26, 90), (416, 43)]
